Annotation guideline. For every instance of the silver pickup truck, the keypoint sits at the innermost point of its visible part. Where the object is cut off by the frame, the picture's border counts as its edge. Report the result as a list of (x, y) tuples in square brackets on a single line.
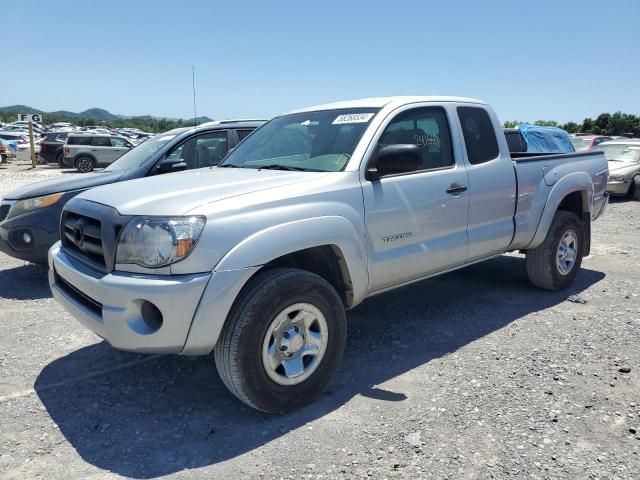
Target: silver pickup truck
[(258, 258)]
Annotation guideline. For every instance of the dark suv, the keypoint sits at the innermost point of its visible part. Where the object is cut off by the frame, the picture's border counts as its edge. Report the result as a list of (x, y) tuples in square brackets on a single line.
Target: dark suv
[(30, 216), (51, 147)]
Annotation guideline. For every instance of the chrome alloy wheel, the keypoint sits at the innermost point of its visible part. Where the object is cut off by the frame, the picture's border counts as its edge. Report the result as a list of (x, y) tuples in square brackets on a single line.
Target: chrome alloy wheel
[(295, 344), (567, 252)]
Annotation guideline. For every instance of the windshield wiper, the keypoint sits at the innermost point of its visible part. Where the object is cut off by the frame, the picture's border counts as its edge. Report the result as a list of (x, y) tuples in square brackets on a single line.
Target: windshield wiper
[(229, 165), (276, 166)]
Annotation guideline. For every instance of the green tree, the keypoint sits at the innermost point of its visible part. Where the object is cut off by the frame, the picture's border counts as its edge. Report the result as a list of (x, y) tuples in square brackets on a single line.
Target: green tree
[(587, 126), (511, 124), (571, 127)]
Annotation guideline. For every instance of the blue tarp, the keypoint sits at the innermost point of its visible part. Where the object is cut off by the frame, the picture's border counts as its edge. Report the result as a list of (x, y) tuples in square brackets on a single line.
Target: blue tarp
[(12, 144), (546, 139)]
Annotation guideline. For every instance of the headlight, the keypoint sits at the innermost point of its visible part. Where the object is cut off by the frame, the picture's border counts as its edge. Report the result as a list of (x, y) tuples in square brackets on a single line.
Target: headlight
[(156, 242), (24, 206), (616, 178)]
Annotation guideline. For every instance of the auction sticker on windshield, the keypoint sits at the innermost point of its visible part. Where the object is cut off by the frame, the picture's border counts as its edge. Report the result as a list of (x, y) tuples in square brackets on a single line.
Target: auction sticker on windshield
[(353, 118)]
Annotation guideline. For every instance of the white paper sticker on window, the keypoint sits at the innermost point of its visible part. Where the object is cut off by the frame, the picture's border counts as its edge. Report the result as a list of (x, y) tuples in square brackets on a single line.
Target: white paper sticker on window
[(353, 118)]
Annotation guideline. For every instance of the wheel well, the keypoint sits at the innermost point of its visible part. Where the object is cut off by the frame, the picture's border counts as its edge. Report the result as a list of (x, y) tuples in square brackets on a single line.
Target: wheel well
[(576, 202), (573, 202), (325, 261)]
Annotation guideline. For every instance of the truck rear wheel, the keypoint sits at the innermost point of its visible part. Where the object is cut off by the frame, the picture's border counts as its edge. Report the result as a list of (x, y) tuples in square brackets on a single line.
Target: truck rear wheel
[(555, 263), (283, 340)]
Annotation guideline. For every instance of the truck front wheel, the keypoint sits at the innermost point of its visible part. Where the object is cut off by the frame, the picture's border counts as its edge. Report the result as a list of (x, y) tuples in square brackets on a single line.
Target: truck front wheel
[(282, 341), (554, 264)]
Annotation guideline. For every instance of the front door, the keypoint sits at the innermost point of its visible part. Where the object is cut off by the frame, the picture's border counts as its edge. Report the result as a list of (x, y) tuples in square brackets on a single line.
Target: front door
[(417, 222), (119, 146)]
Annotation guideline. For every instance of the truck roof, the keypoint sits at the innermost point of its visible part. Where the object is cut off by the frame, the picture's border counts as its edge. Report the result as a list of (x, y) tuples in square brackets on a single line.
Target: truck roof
[(379, 102)]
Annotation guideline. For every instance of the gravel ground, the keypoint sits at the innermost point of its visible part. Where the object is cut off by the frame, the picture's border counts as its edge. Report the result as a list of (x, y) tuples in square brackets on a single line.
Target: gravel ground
[(471, 375)]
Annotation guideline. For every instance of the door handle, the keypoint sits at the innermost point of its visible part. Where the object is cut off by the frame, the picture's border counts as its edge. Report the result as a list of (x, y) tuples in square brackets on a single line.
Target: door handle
[(456, 188)]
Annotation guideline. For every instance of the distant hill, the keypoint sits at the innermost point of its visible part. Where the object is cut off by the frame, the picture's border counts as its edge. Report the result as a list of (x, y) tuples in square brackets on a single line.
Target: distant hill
[(101, 116), (20, 109), (91, 113)]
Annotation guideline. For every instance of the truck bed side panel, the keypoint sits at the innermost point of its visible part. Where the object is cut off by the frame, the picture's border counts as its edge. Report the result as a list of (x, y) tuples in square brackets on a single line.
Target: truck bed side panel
[(544, 181)]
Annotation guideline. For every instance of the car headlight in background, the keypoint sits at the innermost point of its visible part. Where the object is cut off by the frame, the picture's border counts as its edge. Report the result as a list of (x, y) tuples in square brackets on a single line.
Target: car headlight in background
[(24, 206), (158, 241), (616, 178)]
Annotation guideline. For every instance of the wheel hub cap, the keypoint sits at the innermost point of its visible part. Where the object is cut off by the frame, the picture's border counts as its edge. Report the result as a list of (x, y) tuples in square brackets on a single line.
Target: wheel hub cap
[(567, 252), (291, 341), (295, 344)]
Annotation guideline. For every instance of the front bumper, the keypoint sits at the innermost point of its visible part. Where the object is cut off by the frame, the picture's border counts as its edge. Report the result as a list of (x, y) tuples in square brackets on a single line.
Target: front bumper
[(41, 226), (115, 306), (618, 188)]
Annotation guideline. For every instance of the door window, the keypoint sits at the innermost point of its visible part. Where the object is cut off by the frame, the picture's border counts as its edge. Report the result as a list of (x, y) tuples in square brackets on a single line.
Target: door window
[(242, 134), (202, 151), (428, 129), (479, 136), (119, 142), (101, 142)]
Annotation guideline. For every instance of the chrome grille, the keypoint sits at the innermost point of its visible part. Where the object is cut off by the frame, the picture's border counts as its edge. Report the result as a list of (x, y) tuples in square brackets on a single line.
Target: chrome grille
[(89, 232), (82, 235)]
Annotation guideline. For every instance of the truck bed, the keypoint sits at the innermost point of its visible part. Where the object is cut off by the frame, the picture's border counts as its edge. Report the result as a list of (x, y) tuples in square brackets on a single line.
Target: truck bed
[(539, 175)]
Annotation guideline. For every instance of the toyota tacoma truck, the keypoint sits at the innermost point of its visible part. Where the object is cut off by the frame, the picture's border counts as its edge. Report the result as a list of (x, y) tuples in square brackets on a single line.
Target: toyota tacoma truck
[(257, 259)]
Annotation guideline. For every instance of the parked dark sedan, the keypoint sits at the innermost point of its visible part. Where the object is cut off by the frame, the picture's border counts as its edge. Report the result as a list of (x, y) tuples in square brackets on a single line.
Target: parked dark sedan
[(30, 216)]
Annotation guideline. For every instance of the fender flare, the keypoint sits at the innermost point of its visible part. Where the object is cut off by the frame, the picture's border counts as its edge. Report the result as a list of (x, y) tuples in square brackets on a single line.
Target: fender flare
[(274, 242), (574, 182), (242, 262)]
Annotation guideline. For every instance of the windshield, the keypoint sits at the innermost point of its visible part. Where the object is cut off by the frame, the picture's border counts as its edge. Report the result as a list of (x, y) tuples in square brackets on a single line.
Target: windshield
[(580, 143), (143, 151), (320, 141), (622, 152)]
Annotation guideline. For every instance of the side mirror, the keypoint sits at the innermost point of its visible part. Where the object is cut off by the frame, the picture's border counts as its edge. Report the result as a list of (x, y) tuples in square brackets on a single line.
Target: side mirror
[(169, 165), (392, 159)]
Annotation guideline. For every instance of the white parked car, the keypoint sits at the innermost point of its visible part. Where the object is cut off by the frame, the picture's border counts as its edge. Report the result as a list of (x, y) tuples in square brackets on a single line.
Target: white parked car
[(24, 151)]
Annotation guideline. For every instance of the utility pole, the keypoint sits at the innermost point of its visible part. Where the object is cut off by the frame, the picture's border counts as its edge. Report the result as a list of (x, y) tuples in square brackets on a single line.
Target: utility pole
[(33, 144)]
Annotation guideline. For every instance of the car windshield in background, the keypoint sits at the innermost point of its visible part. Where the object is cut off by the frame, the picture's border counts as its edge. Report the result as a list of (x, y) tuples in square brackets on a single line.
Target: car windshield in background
[(321, 141), (142, 152), (580, 143), (622, 152)]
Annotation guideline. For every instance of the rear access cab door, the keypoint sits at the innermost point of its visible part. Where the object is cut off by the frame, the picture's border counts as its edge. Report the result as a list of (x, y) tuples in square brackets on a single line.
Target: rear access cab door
[(492, 182), (416, 222)]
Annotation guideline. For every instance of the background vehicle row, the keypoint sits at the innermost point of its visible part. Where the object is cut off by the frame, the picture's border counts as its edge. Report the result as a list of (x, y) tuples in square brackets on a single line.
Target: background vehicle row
[(30, 216)]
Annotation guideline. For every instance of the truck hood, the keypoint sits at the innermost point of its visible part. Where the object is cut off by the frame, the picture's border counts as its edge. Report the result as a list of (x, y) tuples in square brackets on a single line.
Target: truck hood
[(623, 168), (71, 181), (178, 193)]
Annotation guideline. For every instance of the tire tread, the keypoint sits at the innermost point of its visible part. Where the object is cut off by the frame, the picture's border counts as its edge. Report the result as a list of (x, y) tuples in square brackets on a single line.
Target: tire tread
[(540, 260), (227, 350)]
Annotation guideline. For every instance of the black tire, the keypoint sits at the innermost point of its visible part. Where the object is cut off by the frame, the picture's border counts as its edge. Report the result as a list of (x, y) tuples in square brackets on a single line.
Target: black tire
[(85, 164), (59, 160), (634, 189), (541, 262), (238, 353)]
